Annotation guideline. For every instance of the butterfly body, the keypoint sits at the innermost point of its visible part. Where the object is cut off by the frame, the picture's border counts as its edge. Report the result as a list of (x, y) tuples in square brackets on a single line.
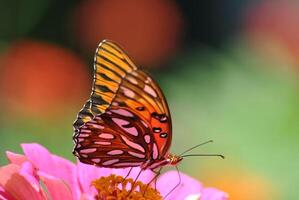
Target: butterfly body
[(126, 122)]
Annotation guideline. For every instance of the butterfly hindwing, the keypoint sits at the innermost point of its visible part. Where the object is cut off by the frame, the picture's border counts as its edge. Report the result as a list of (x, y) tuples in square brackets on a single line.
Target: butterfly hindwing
[(117, 138)]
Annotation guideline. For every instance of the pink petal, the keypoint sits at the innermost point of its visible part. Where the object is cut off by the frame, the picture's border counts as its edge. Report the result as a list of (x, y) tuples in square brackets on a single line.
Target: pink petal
[(56, 187), (213, 194), (40, 157), (88, 173), (16, 185), (52, 165), (170, 179), (68, 173), (87, 197), (4, 195), (15, 158), (28, 172)]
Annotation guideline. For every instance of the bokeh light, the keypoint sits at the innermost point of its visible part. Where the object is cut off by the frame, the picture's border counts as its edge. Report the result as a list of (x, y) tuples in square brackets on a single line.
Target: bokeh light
[(244, 185), (40, 78), (272, 28), (149, 30)]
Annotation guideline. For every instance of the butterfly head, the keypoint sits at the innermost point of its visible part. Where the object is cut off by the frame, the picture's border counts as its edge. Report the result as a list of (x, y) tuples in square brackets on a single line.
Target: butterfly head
[(173, 159)]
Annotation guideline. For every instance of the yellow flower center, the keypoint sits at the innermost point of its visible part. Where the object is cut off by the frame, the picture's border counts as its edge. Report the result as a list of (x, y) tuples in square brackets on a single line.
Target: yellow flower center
[(117, 188)]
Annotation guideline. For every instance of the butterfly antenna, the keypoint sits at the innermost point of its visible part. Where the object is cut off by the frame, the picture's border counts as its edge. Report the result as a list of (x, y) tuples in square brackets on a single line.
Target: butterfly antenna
[(196, 147), (216, 155)]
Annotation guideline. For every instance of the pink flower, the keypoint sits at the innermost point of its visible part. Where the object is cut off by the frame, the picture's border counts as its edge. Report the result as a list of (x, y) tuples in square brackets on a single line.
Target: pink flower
[(40, 175)]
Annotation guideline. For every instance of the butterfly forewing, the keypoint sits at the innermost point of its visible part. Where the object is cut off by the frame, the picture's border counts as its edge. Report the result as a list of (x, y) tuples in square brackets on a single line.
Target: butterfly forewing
[(108, 75), (126, 122)]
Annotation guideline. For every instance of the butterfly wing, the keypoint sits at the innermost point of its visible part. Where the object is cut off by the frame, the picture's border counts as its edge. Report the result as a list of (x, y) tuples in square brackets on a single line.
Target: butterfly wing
[(111, 66), (127, 107), (114, 139)]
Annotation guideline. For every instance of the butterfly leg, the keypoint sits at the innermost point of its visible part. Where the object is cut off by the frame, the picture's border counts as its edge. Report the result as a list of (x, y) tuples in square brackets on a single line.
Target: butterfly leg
[(177, 185), (157, 173), (132, 186), (128, 174)]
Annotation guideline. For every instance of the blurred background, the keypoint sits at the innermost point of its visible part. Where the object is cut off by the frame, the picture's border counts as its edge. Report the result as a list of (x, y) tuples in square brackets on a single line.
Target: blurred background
[(229, 70)]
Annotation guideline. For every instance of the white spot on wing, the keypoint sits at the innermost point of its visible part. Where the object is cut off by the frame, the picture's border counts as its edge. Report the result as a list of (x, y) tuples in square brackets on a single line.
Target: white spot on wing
[(91, 150), (150, 90), (148, 80), (132, 131), (115, 152), (144, 123), (155, 151), (120, 122), (138, 155), (110, 162), (133, 144), (97, 126), (123, 112), (106, 136), (147, 139), (134, 73), (96, 160), (83, 135), (98, 118), (115, 103), (132, 80), (129, 93), (85, 131), (103, 143)]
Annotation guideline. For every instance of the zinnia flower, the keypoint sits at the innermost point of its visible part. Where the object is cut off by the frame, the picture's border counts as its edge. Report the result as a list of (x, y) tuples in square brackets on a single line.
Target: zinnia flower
[(40, 175)]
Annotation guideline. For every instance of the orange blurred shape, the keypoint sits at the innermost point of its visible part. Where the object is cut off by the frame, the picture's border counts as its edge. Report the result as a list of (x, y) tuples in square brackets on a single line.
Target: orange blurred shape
[(149, 30), (243, 185), (273, 28), (40, 78)]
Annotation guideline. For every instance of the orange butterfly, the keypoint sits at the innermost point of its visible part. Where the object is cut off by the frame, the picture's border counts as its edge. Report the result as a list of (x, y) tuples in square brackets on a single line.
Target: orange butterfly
[(126, 122)]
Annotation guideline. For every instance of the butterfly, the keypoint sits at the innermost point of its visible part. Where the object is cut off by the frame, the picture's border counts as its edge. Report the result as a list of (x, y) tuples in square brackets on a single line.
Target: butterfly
[(126, 122)]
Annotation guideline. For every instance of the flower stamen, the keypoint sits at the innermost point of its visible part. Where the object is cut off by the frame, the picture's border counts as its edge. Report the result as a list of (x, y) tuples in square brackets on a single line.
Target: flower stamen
[(116, 187)]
